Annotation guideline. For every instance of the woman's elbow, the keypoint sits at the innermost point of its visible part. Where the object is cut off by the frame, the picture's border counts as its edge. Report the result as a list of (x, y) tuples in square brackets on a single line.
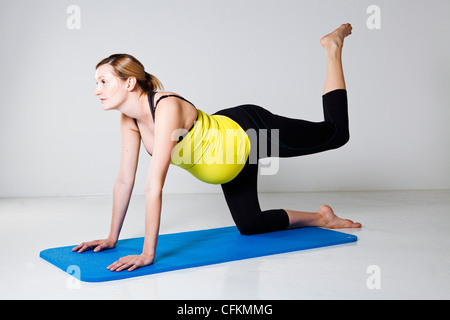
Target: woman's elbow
[(127, 181), (153, 191)]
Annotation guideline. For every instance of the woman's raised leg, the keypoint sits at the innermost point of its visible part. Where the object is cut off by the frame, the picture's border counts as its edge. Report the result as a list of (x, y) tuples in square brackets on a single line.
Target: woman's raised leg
[(333, 43)]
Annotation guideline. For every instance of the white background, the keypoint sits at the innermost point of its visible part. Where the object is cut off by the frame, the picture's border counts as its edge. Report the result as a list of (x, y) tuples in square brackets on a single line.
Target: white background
[(55, 138)]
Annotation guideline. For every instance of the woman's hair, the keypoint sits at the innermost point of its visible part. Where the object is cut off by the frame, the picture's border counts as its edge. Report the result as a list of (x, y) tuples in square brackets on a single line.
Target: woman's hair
[(125, 66)]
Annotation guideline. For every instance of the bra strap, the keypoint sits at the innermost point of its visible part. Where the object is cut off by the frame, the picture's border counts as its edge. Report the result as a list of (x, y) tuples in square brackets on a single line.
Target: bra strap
[(151, 100)]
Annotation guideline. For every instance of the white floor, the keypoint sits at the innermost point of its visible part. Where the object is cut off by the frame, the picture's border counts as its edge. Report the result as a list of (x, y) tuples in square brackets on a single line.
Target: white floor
[(405, 235)]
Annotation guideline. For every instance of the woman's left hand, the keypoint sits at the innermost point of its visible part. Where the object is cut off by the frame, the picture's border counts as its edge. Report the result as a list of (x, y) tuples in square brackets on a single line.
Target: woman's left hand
[(132, 262)]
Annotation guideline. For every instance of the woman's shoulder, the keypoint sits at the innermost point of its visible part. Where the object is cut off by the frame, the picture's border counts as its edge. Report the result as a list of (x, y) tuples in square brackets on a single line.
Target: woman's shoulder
[(161, 95), (127, 122)]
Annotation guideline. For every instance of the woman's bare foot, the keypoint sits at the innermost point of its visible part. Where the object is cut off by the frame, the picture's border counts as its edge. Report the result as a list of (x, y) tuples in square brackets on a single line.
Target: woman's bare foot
[(335, 39), (331, 221)]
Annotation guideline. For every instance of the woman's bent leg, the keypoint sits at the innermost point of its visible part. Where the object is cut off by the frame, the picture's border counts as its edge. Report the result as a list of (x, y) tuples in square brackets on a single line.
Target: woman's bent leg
[(241, 195), (297, 137)]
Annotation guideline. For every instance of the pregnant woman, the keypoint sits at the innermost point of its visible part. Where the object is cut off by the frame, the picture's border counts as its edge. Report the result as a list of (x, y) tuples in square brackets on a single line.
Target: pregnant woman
[(223, 148)]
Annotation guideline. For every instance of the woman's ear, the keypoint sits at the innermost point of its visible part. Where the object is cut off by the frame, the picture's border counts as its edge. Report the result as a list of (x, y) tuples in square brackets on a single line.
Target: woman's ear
[(131, 83)]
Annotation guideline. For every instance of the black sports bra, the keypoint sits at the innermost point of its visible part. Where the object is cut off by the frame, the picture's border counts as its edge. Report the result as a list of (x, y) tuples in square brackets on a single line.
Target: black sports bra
[(151, 100)]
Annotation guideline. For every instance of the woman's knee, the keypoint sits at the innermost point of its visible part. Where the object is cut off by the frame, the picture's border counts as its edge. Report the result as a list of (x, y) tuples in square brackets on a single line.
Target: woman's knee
[(248, 223), (249, 229), (262, 222), (342, 137)]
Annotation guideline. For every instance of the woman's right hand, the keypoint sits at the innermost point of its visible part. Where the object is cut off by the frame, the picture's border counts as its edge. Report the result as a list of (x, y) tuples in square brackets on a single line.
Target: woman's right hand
[(97, 245)]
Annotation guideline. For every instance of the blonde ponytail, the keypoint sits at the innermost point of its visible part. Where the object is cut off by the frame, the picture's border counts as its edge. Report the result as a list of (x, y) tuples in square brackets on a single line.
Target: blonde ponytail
[(153, 82)]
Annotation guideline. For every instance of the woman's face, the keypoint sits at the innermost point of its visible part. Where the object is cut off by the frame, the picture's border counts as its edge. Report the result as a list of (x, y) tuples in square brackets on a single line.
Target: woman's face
[(110, 89)]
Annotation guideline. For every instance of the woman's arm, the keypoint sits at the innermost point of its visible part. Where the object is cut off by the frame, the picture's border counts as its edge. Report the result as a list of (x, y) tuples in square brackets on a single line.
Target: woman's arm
[(168, 119), (123, 185)]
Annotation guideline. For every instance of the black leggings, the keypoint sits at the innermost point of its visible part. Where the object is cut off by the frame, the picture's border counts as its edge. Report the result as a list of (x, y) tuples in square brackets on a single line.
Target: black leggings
[(296, 138)]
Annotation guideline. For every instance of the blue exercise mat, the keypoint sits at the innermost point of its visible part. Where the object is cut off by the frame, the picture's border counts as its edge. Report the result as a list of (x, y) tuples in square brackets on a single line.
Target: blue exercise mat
[(191, 249)]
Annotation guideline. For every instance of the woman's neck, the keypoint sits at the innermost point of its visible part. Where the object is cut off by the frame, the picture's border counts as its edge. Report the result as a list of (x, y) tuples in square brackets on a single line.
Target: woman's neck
[(136, 107)]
